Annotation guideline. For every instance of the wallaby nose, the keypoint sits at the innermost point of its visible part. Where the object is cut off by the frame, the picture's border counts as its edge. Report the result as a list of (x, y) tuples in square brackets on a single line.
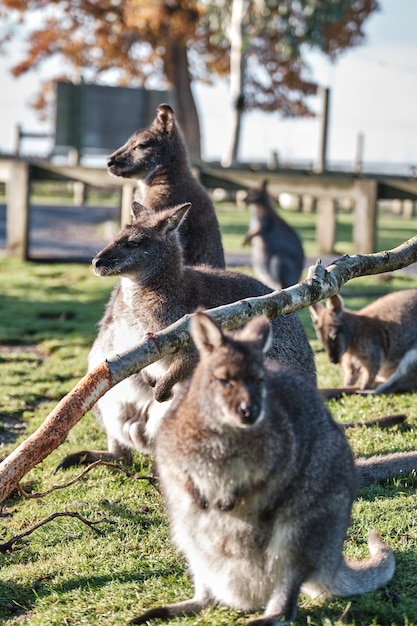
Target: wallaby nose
[(110, 160), (249, 413)]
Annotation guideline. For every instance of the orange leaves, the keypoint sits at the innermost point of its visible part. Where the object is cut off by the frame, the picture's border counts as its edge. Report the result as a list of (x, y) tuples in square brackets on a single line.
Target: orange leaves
[(158, 19)]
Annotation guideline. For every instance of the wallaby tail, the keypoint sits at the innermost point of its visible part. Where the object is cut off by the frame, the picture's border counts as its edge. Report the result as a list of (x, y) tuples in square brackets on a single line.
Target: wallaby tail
[(356, 577), (381, 467)]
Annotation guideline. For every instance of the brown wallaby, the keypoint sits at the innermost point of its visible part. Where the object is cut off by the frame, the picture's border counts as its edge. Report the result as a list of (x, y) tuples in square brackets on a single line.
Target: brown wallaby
[(258, 482), (155, 290), (157, 158), (378, 343), (277, 251)]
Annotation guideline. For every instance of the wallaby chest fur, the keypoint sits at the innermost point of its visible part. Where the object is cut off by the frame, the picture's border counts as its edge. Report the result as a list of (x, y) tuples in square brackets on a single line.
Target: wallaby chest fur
[(377, 343), (155, 290), (277, 251), (157, 158), (258, 482)]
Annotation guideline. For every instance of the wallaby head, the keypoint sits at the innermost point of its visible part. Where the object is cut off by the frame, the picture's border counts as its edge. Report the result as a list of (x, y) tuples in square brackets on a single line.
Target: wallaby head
[(150, 148), (142, 247), (231, 369), (330, 329), (259, 195)]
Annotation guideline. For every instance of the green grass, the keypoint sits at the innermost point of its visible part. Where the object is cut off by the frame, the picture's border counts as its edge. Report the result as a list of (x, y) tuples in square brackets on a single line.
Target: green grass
[(64, 573)]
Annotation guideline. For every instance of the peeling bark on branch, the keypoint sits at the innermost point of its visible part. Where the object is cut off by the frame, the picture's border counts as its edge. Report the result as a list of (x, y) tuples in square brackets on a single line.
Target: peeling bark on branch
[(320, 283)]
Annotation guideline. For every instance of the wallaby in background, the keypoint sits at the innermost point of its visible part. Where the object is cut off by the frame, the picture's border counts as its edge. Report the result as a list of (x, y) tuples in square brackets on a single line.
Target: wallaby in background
[(155, 290), (277, 251), (158, 159), (377, 343), (258, 481)]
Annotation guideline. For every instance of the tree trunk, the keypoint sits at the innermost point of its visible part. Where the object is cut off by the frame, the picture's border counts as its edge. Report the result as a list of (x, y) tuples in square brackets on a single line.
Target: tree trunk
[(177, 71), (237, 74), (320, 283)]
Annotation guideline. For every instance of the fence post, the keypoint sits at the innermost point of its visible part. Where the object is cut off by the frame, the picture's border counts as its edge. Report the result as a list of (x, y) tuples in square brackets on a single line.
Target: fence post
[(126, 204), (364, 224), (326, 225), (17, 212)]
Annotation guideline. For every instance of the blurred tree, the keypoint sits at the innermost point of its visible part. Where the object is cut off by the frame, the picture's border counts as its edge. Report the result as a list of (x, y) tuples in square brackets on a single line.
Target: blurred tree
[(160, 43)]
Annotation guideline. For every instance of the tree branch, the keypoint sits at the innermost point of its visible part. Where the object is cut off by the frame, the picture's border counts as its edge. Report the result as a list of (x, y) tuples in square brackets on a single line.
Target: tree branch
[(320, 283)]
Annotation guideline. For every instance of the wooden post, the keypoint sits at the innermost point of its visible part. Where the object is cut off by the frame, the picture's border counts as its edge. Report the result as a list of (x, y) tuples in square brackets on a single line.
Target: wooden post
[(125, 205), (17, 215), (364, 225), (326, 225)]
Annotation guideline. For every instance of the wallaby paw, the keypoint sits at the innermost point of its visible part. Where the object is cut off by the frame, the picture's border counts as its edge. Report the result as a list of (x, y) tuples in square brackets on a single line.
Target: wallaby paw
[(162, 393)]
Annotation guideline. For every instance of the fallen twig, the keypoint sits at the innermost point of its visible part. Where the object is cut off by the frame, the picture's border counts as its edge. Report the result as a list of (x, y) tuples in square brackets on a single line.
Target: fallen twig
[(152, 480), (7, 546)]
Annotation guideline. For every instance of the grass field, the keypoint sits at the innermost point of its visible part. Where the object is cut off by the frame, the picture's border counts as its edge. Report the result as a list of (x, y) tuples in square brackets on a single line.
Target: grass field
[(65, 573)]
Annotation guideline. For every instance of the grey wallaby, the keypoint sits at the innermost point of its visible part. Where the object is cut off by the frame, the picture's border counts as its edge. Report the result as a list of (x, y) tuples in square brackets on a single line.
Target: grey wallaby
[(258, 481), (158, 159), (377, 344), (155, 290), (277, 251)]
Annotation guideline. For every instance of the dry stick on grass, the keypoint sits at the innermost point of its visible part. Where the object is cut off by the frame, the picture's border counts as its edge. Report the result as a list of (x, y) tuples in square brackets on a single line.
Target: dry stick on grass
[(320, 283), (41, 494), (7, 546)]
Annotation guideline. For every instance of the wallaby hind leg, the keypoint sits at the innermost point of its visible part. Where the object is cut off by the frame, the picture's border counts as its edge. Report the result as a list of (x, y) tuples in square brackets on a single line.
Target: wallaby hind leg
[(404, 379), (282, 606), (116, 452), (168, 611)]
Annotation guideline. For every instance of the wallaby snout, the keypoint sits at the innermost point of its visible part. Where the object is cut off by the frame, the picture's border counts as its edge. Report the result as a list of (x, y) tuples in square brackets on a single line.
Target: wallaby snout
[(98, 265), (111, 160)]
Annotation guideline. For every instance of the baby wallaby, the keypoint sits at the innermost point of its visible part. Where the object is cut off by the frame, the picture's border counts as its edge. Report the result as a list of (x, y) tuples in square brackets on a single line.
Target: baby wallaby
[(377, 343), (277, 251), (258, 481), (157, 158), (155, 290)]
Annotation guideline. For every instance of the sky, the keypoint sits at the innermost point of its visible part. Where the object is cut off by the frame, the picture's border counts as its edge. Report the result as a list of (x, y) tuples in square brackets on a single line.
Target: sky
[(373, 92)]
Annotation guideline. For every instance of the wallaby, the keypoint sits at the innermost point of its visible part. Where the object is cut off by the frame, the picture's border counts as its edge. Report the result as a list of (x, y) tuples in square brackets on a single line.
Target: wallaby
[(157, 158), (378, 343), (155, 290), (258, 481), (277, 251)]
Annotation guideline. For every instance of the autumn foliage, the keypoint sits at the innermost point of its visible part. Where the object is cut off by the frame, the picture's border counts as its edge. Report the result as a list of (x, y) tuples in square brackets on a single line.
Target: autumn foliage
[(160, 43)]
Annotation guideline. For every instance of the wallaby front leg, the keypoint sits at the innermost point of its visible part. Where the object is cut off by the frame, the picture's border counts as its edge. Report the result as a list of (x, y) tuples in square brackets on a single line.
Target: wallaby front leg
[(368, 376), (180, 369), (250, 235)]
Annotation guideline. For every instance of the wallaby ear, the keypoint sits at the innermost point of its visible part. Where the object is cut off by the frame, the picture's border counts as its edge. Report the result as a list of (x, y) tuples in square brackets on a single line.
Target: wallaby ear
[(335, 304), (258, 331), (172, 218), (136, 209), (315, 310), (165, 119), (206, 334), (264, 184)]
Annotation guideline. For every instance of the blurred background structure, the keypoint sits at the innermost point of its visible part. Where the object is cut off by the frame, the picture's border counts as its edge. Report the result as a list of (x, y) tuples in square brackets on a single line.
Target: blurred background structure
[(373, 87)]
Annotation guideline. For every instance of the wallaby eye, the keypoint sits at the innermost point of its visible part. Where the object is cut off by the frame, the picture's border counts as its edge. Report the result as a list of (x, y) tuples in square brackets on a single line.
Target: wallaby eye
[(224, 382), (133, 243), (141, 146)]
